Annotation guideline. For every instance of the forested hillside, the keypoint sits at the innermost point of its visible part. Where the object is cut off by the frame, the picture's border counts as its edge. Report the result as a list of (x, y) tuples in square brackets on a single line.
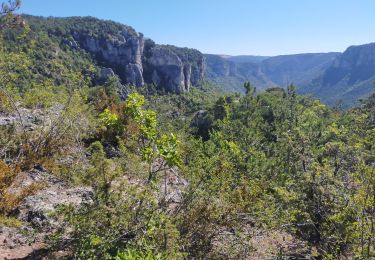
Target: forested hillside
[(230, 72), (95, 167), (349, 78), (335, 78)]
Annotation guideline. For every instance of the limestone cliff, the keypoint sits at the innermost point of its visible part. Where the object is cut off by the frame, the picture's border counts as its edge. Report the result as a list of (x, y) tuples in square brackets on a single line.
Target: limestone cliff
[(123, 52), (169, 67), (138, 60)]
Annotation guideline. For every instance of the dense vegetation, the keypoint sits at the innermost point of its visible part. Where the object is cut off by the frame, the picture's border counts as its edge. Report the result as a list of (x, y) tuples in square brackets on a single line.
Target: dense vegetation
[(65, 27), (261, 162)]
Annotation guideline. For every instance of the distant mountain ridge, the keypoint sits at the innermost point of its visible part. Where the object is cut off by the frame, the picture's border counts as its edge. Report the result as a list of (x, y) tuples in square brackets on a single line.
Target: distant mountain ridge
[(247, 58), (299, 69), (350, 76), (333, 77)]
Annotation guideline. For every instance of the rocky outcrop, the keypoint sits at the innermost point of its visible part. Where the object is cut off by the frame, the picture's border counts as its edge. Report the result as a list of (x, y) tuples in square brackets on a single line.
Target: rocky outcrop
[(126, 51), (25, 119), (175, 69), (168, 67), (123, 52), (30, 241), (202, 124), (356, 64), (171, 190), (107, 73), (198, 72), (220, 66), (35, 209), (354, 56), (168, 70)]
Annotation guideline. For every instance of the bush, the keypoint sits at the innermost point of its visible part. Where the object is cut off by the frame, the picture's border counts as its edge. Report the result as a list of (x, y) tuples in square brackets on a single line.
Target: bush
[(9, 200)]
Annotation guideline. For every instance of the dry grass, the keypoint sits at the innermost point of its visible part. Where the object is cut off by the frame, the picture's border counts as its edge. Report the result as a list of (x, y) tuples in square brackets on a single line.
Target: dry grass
[(10, 200), (10, 222)]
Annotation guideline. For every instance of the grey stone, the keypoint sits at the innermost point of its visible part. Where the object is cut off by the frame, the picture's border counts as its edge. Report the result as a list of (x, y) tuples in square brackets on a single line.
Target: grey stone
[(187, 76), (30, 240), (200, 118), (35, 209), (133, 73), (169, 69), (106, 73), (122, 91), (124, 53)]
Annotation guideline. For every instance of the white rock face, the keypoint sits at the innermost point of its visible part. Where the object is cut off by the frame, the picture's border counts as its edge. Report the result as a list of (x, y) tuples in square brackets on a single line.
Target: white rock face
[(125, 54), (123, 51), (169, 68)]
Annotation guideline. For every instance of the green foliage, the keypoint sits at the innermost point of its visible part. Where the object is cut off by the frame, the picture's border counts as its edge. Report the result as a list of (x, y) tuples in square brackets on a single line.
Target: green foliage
[(249, 89), (65, 26), (108, 119), (146, 119), (10, 222), (168, 149), (111, 123)]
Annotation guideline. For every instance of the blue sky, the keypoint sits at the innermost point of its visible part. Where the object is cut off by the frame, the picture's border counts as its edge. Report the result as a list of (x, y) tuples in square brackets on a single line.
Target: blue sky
[(257, 27)]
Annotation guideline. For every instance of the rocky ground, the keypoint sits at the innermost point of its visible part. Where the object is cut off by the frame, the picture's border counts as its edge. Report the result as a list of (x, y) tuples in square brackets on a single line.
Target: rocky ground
[(30, 240), (257, 244)]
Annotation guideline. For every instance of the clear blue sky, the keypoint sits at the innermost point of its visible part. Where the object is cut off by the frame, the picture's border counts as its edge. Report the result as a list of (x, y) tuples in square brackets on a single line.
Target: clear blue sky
[(259, 27)]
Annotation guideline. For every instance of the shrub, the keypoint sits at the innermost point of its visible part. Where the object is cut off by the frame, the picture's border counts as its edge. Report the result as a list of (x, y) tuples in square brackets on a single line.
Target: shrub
[(10, 199)]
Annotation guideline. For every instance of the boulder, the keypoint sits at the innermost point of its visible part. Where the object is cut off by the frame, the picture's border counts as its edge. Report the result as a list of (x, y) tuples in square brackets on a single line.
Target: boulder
[(202, 122), (106, 73)]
